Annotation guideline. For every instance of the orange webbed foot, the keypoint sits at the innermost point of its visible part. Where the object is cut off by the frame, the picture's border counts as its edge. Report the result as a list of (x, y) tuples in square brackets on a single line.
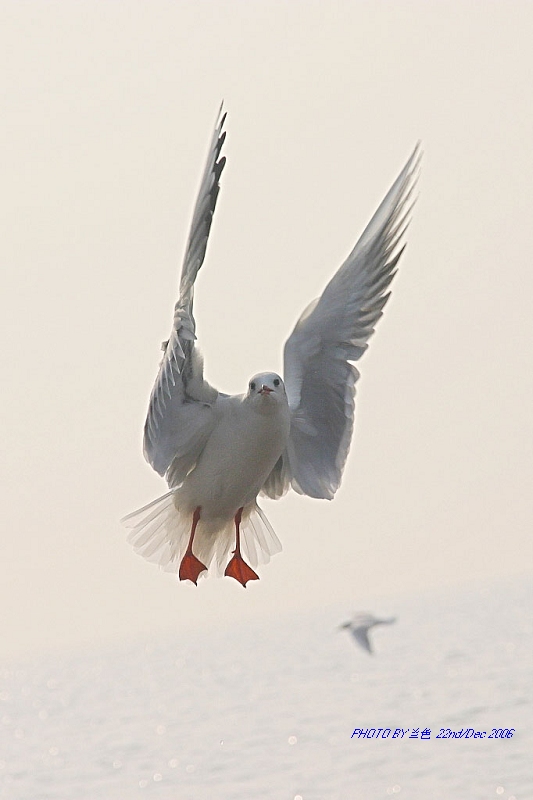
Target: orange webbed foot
[(239, 569), (190, 568)]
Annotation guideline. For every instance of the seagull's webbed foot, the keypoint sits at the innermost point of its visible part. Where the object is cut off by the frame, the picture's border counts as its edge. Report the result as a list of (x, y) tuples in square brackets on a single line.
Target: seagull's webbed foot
[(239, 569), (190, 568)]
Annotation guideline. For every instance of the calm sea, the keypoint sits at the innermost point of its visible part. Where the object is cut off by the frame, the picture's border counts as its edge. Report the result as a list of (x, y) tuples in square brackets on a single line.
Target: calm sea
[(268, 710)]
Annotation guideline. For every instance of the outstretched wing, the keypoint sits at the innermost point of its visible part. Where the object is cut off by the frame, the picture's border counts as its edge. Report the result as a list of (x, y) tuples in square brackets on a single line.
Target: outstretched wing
[(331, 334), (361, 637), (180, 413)]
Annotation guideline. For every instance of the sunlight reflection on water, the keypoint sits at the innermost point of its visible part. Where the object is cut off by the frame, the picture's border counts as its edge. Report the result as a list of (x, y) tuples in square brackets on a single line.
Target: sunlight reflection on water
[(268, 712)]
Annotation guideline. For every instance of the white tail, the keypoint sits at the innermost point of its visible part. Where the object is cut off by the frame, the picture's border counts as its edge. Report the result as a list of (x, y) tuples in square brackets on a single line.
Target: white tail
[(160, 533)]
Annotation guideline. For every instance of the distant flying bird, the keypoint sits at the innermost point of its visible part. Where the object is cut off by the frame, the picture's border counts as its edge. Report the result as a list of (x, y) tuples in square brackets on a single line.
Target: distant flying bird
[(218, 452), (359, 626)]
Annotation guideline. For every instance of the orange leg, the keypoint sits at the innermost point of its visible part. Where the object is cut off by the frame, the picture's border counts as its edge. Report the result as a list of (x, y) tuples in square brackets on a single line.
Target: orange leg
[(237, 567), (191, 566)]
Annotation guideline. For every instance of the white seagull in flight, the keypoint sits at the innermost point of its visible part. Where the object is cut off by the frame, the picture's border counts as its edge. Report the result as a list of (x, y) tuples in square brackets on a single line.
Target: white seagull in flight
[(361, 623), (218, 452)]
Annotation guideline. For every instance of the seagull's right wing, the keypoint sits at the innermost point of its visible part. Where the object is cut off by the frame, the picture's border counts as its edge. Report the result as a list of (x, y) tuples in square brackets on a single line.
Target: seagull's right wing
[(361, 637), (180, 415)]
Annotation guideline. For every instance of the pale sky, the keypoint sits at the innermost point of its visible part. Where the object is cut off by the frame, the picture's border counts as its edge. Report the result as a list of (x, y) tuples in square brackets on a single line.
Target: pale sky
[(107, 111)]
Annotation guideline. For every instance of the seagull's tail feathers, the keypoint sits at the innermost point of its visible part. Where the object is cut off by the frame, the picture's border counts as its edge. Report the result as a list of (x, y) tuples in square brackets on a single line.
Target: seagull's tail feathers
[(258, 539), (160, 532)]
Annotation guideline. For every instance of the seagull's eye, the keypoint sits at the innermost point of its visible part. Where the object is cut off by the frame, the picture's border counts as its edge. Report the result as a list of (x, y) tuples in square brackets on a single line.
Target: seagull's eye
[(252, 386), (276, 381)]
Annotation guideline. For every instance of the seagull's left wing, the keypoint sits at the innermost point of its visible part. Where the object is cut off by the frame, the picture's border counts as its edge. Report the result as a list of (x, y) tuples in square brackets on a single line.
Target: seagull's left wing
[(331, 334), (180, 411)]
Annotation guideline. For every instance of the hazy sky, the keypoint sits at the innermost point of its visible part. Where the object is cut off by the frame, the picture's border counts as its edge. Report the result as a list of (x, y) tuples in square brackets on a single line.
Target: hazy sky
[(107, 111)]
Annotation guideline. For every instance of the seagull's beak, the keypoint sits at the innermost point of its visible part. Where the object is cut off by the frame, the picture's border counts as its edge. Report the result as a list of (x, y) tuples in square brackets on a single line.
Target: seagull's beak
[(265, 390)]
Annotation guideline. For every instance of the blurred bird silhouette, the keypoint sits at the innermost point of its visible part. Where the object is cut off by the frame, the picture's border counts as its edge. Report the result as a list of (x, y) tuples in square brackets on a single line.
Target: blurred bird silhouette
[(359, 626)]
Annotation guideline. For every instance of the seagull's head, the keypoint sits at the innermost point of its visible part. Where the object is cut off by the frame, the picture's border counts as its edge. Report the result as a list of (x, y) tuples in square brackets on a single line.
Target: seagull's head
[(266, 390)]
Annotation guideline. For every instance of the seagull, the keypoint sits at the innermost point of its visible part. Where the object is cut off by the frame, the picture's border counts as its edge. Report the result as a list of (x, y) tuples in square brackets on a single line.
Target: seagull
[(219, 452), (361, 624)]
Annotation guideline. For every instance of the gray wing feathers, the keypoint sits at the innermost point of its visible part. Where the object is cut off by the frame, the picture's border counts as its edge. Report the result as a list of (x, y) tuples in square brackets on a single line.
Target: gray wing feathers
[(278, 482), (179, 418), (203, 210), (333, 332), (361, 637)]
